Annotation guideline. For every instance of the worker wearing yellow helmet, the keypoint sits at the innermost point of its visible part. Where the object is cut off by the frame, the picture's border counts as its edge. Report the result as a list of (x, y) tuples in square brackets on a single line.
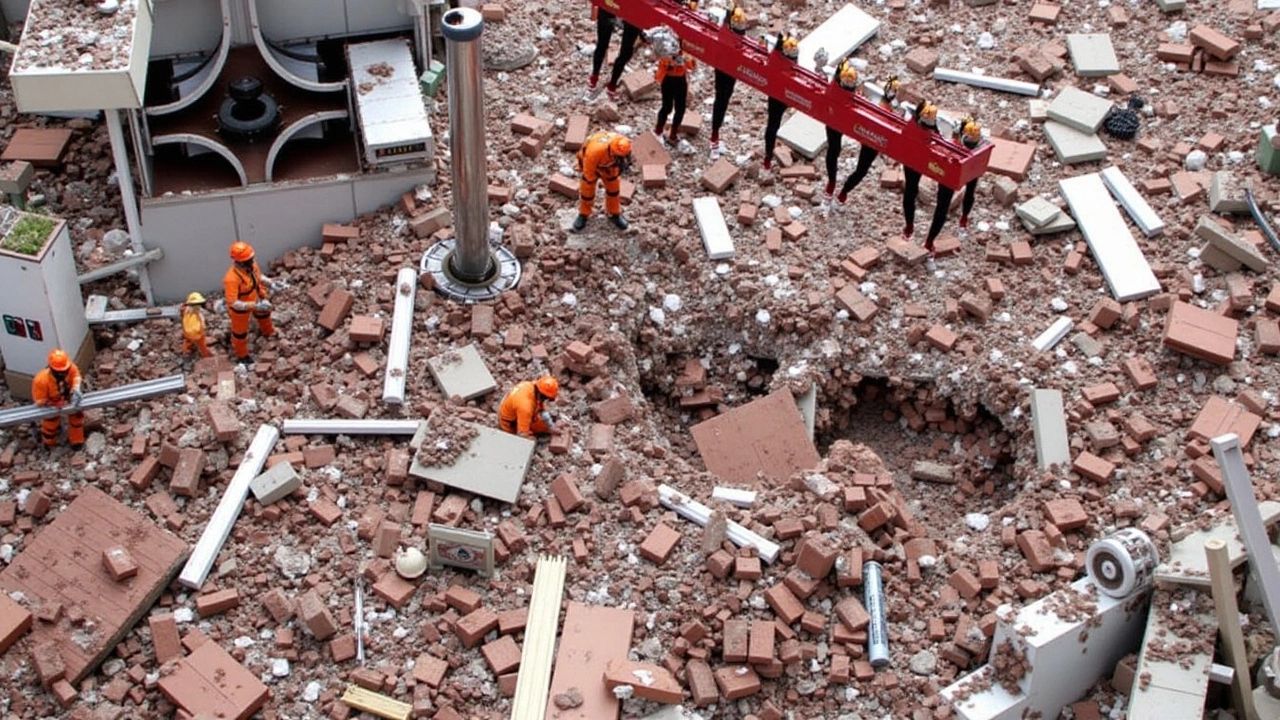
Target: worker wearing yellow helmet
[(602, 159), (523, 411), (193, 326), (247, 291), (58, 385), (925, 114), (725, 83)]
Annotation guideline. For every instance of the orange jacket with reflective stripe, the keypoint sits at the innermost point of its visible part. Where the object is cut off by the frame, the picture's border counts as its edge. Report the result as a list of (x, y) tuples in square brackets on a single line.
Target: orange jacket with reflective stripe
[(45, 391), (521, 406), (240, 285), (596, 160), (675, 67)]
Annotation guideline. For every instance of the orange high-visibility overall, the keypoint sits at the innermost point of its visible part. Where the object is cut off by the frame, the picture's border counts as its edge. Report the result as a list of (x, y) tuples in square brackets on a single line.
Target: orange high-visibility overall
[(598, 164), (47, 391), (521, 410), (245, 286)]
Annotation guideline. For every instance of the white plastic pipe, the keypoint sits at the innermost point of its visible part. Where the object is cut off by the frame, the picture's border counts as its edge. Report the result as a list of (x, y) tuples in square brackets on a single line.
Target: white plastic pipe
[(401, 331)]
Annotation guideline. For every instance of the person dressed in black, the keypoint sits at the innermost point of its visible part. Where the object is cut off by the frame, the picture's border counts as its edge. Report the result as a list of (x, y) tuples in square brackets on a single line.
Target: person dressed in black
[(605, 23), (789, 47), (725, 83), (925, 115), (847, 78), (868, 154), (672, 77), (970, 136)]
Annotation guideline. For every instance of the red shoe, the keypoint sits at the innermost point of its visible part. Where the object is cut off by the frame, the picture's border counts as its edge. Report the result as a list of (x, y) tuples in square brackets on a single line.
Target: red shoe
[(831, 188), (964, 221), (592, 80), (906, 231), (842, 197), (768, 164), (612, 90)]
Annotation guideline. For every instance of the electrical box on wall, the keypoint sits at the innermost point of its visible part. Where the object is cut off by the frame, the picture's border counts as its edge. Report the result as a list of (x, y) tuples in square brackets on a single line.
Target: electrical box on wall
[(41, 307)]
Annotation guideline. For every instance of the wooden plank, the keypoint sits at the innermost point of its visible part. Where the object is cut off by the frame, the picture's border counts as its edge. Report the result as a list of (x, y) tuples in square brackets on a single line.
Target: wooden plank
[(224, 516), (376, 703), (532, 683), (1224, 604), (1125, 268), (43, 147), (592, 636)]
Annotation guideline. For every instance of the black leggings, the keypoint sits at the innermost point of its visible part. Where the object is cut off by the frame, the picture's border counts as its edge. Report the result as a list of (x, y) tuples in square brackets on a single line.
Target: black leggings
[(630, 33), (910, 191), (604, 33), (866, 156), (724, 90), (940, 211), (675, 92), (776, 108), (834, 138)]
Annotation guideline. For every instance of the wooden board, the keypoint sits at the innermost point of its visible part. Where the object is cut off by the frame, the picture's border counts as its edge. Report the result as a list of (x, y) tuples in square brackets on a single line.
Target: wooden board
[(209, 681), (539, 640), (767, 436), (376, 704), (592, 636), (39, 146), (63, 564)]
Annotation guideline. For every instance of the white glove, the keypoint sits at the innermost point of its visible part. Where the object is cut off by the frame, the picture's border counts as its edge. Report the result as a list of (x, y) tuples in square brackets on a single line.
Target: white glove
[(546, 418), (76, 398), (240, 306), (262, 306)]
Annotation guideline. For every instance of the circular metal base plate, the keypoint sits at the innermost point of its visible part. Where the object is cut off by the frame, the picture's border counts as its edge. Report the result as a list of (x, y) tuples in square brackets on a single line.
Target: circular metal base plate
[(435, 261)]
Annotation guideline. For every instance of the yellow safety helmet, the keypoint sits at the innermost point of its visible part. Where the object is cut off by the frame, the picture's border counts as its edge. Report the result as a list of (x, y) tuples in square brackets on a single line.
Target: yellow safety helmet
[(738, 19), (195, 298), (891, 88), (620, 146), (58, 360), (927, 114), (847, 75), (241, 251), (970, 132), (790, 46), (548, 386)]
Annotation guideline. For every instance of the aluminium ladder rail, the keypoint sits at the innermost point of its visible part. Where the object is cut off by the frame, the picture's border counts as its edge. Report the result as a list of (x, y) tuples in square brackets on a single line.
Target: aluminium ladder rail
[(99, 398)]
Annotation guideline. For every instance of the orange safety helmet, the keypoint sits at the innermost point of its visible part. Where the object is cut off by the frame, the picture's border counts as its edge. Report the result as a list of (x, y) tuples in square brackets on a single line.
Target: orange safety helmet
[(927, 114), (847, 75), (620, 146), (241, 251), (548, 386), (738, 19), (58, 360), (790, 46)]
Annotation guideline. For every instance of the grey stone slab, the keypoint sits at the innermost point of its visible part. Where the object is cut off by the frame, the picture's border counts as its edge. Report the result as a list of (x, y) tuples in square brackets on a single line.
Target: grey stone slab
[(1171, 5), (1173, 688), (1080, 110), (1062, 222), (1049, 426), (1226, 241), (1088, 345), (493, 465), (1121, 261), (841, 34), (278, 482), (1226, 194), (1092, 54), (1072, 146), (462, 373), (804, 135), (1037, 211)]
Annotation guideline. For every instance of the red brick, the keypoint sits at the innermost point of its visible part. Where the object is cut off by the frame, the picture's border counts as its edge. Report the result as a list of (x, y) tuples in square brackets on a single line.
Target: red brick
[(965, 583), (472, 627), (652, 682), (49, 663), (761, 641), (279, 605), (737, 682), (1066, 513), (784, 603), (1035, 548), (333, 232), (719, 563), (464, 600), (988, 574), (394, 589), (503, 655), (1201, 334), (164, 637), (1213, 42), (1140, 373), (736, 643), (15, 621), (343, 647), (315, 616), (702, 683), (567, 493), (747, 568), (217, 602), (852, 614), (336, 309), (1105, 313), (144, 474), (325, 510), (849, 569), (1267, 336), (1093, 467), (366, 329), (941, 338), (186, 473), (817, 556), (658, 546), (119, 563), (430, 670), (720, 175), (1101, 394)]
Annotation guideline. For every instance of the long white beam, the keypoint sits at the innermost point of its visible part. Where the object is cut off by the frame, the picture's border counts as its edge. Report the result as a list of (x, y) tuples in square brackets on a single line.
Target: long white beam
[(401, 331), (694, 511), (350, 427)]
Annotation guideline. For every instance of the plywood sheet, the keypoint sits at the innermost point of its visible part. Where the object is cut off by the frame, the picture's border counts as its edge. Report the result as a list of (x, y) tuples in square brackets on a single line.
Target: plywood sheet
[(766, 436), (592, 636), (63, 564), (210, 682)]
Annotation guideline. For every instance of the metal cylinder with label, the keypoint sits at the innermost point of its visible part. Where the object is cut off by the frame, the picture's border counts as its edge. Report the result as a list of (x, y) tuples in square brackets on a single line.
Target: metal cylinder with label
[(1122, 563), (873, 600)]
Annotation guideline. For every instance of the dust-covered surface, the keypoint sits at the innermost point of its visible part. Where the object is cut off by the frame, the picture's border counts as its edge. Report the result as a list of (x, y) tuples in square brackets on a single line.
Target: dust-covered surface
[(641, 306)]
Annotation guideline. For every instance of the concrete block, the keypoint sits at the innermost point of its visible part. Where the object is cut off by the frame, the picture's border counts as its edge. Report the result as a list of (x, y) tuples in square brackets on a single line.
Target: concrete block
[(1125, 268), (1143, 215), (1049, 426), (1079, 110), (1073, 146), (277, 483), (1268, 153), (714, 230), (462, 373), (1092, 54), (1037, 211), (804, 135)]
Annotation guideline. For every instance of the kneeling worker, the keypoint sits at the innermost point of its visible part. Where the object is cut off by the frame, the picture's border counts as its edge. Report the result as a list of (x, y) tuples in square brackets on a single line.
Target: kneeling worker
[(58, 386), (523, 411)]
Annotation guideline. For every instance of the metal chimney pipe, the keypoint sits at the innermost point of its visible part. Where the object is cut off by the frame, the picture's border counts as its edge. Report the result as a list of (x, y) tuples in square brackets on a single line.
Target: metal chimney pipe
[(471, 261)]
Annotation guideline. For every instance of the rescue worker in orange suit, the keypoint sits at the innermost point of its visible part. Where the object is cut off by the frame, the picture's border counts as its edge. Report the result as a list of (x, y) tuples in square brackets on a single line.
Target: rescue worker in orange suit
[(603, 158), (246, 292), (671, 76), (789, 47), (867, 154), (523, 411), (193, 337), (58, 385)]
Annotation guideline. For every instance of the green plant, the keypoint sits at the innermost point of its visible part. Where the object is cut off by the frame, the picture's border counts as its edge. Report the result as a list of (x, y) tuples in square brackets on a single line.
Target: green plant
[(28, 235)]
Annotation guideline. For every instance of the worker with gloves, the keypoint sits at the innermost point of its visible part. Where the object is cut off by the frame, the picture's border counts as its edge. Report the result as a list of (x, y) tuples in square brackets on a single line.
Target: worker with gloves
[(58, 385), (604, 157), (523, 411), (246, 292), (193, 337)]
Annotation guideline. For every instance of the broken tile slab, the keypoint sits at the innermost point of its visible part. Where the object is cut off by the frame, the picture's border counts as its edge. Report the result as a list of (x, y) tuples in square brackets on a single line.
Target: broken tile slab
[(1220, 416), (645, 680), (1011, 159), (592, 637), (1201, 334), (1175, 686), (1230, 244), (1186, 563), (1037, 211), (1049, 427), (1079, 110), (1019, 87), (1053, 334), (211, 683), (714, 230), (15, 621), (1092, 54), (462, 373), (1227, 194), (804, 135), (764, 438), (840, 34), (1143, 215), (1073, 146), (1062, 222), (1121, 261), (47, 571), (493, 464), (277, 483)]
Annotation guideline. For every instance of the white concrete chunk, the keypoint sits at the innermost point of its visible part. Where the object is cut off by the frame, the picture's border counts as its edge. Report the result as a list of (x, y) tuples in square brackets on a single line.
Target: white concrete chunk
[(804, 135), (1176, 5), (462, 373), (1079, 110), (1053, 335), (734, 496), (1018, 87), (1092, 54), (715, 233), (840, 34), (1234, 247), (1037, 211), (1174, 688), (1072, 146), (277, 483), (1143, 215), (1125, 268), (1049, 426)]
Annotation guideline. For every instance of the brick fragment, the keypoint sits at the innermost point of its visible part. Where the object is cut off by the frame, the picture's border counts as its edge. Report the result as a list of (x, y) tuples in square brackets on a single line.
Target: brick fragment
[(737, 682), (315, 616), (784, 603), (503, 655), (852, 614), (817, 556), (217, 602), (1093, 467), (464, 600), (336, 309), (15, 621), (657, 547), (472, 627), (1066, 513), (1036, 549), (702, 683), (648, 681), (1140, 373), (119, 563), (965, 583)]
